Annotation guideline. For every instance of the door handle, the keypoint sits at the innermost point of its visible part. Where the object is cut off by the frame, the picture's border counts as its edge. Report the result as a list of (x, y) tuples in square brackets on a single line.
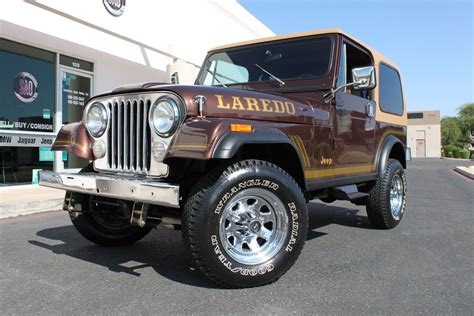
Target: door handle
[(370, 109)]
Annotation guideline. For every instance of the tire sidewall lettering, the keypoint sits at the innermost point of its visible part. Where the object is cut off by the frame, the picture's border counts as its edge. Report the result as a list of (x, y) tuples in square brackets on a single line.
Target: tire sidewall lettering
[(244, 185), (294, 229)]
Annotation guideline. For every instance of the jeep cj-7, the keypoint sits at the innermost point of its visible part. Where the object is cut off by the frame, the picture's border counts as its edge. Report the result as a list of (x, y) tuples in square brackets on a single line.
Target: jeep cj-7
[(232, 161)]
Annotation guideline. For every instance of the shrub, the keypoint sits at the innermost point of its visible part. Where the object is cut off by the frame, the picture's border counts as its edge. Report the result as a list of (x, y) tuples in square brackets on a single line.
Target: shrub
[(450, 147), (456, 152), (450, 154), (464, 154)]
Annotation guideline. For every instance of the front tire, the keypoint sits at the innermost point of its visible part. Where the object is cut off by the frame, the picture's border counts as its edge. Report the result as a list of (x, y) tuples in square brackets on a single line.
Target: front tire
[(387, 198), (103, 221), (245, 226)]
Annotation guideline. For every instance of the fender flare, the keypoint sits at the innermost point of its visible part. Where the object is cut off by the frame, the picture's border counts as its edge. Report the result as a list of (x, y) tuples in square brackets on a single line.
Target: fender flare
[(230, 143), (384, 153)]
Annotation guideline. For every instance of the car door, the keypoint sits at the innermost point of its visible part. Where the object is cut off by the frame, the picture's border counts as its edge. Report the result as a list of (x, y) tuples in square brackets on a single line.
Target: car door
[(355, 123)]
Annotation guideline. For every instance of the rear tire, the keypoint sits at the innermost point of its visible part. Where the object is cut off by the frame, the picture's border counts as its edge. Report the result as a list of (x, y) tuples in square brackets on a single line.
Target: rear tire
[(387, 198), (245, 226)]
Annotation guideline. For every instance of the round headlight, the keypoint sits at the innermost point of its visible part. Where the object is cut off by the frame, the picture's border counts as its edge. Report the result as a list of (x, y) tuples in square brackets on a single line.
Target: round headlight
[(96, 119), (164, 116)]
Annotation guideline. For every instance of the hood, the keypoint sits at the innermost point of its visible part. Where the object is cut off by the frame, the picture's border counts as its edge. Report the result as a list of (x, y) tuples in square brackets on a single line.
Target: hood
[(232, 103)]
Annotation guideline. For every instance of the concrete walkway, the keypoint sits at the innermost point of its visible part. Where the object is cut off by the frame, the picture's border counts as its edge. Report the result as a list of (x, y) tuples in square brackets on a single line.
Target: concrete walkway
[(28, 199), (466, 171)]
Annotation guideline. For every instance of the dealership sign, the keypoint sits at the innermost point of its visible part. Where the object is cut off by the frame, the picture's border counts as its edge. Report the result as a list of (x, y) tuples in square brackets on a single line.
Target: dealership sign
[(26, 140), (25, 87), (115, 7)]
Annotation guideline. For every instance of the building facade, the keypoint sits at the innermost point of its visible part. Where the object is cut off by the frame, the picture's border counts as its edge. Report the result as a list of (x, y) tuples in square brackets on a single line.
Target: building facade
[(54, 55), (424, 134)]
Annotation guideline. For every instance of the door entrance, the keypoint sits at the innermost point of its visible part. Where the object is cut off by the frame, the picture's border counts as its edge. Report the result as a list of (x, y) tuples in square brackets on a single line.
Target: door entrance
[(75, 91), (420, 148)]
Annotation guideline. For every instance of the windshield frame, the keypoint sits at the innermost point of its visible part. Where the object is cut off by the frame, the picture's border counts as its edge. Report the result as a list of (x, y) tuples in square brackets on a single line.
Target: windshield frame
[(331, 36)]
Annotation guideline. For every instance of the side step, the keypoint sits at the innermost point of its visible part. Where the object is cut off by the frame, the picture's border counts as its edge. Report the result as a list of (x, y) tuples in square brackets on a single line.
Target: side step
[(349, 193)]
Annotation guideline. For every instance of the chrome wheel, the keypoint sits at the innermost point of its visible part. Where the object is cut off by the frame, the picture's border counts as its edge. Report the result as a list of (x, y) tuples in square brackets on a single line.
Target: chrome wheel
[(253, 226), (397, 197)]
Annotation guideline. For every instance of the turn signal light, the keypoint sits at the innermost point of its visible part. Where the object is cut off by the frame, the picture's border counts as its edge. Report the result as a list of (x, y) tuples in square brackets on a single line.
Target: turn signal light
[(241, 128)]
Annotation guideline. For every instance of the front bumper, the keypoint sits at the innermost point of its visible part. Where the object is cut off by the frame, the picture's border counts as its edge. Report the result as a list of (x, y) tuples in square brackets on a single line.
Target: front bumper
[(113, 186)]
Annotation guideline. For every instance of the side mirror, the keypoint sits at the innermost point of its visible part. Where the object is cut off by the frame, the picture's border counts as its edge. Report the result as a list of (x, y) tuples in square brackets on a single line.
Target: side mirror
[(363, 78)]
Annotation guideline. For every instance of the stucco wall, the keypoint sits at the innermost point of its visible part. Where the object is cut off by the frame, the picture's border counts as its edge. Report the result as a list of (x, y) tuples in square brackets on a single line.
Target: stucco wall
[(432, 139), (135, 47)]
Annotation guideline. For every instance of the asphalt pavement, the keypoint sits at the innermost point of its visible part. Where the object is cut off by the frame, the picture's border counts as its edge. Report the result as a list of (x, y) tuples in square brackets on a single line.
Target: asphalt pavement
[(424, 266)]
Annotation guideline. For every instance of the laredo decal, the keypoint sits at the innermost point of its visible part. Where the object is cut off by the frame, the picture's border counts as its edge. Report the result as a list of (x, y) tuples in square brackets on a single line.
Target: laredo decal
[(255, 105)]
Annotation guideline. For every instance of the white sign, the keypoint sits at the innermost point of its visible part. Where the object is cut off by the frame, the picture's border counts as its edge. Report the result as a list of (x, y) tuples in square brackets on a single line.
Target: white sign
[(20, 140)]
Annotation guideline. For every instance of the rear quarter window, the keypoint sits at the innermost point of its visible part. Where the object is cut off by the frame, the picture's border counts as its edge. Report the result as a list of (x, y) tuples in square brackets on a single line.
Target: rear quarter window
[(390, 90)]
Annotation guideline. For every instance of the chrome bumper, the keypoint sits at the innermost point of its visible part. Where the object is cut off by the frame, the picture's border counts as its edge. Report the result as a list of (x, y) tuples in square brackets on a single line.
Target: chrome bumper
[(113, 186)]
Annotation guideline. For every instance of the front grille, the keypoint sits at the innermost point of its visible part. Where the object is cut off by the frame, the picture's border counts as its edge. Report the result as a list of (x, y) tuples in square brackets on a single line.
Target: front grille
[(129, 135)]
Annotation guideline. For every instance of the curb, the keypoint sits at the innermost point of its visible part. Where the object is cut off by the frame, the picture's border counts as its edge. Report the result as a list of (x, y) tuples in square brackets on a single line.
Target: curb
[(457, 159), (27, 208), (29, 199), (465, 173)]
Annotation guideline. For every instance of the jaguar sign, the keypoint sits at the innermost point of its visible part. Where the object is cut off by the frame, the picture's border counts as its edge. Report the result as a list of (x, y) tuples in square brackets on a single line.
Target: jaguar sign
[(115, 7)]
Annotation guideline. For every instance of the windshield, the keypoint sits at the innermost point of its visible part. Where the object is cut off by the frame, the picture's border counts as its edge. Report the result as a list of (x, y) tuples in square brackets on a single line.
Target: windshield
[(295, 59)]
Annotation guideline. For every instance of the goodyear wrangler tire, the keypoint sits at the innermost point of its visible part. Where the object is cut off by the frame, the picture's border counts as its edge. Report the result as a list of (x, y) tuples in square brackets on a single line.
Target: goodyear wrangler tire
[(245, 226), (387, 198), (104, 224)]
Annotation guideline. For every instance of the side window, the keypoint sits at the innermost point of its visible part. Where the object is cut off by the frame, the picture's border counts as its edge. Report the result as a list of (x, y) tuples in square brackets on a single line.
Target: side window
[(356, 58), (341, 76), (390, 90)]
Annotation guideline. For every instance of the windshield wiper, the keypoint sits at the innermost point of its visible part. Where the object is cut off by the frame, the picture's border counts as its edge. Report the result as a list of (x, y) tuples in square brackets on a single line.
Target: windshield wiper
[(215, 77), (281, 82), (284, 90)]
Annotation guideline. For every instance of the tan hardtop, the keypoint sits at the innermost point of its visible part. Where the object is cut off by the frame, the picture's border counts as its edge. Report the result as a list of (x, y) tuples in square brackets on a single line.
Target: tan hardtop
[(378, 58), (376, 55)]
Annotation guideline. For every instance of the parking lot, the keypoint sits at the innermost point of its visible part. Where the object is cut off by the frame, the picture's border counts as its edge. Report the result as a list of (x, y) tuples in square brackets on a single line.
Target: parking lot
[(423, 266)]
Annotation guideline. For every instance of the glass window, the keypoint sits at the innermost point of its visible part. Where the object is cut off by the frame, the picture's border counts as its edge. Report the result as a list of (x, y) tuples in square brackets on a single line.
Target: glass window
[(27, 90), (296, 59), (356, 58), (20, 165), (417, 115), (233, 73), (76, 90), (390, 90), (341, 76)]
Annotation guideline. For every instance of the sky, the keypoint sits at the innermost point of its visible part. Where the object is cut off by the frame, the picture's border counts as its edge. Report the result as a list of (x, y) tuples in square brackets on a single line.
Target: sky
[(430, 41)]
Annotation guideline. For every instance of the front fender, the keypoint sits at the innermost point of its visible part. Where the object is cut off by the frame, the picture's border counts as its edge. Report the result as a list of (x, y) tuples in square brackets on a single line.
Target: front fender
[(206, 139), (74, 139), (230, 143)]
